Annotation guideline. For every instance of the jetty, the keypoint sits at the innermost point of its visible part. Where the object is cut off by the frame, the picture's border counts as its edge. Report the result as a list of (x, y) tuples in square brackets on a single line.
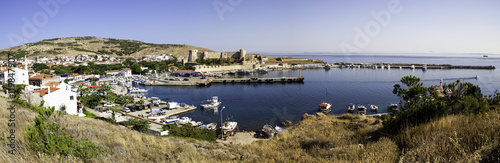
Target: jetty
[(406, 66), (207, 82)]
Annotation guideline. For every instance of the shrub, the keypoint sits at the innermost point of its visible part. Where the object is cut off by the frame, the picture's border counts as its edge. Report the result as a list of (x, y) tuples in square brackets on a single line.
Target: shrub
[(189, 131)]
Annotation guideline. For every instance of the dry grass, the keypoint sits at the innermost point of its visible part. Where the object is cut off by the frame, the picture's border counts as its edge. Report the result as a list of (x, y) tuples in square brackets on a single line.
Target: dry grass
[(455, 138), (327, 139), (345, 138)]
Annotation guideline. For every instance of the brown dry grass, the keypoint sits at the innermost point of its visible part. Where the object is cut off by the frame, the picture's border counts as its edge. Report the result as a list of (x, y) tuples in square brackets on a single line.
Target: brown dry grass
[(345, 138), (455, 138)]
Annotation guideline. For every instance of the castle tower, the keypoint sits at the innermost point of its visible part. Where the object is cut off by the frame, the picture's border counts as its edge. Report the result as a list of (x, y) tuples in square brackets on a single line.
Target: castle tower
[(193, 55), (242, 54)]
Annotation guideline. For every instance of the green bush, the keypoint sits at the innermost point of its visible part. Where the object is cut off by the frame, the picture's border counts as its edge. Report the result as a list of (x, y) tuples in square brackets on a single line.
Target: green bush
[(139, 124), (189, 131), (50, 138)]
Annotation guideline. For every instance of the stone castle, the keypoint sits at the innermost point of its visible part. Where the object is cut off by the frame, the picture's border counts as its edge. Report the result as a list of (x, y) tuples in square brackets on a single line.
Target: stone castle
[(194, 55)]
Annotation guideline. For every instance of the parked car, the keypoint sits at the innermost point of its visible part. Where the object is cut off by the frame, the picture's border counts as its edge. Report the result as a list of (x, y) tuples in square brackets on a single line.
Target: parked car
[(186, 79), (109, 105), (132, 110), (126, 110)]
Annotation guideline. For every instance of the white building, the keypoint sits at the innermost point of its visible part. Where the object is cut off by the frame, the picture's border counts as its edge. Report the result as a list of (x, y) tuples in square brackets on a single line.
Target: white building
[(126, 72), (59, 94), (20, 76)]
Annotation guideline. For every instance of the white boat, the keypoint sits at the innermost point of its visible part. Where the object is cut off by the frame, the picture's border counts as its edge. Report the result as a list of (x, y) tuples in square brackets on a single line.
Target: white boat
[(361, 109), (350, 108), (183, 120), (373, 107), (210, 126), (229, 126), (172, 120), (325, 106), (213, 103), (393, 108), (134, 90)]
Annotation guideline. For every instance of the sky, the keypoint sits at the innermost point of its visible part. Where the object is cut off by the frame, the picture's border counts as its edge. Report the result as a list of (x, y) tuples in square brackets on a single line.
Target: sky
[(263, 26)]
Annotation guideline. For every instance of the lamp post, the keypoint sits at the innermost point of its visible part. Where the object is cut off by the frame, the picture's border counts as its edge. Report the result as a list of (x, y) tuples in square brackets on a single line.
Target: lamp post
[(221, 130)]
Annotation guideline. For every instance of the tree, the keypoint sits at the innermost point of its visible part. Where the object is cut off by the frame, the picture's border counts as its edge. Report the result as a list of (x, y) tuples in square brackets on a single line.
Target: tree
[(413, 93), (39, 66), (140, 125)]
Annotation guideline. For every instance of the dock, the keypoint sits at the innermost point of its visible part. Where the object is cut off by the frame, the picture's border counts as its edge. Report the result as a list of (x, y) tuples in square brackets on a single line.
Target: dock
[(406, 66), (207, 82), (260, 80)]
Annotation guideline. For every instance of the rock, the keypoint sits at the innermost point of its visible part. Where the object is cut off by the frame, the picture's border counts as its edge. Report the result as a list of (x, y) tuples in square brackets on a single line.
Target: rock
[(305, 116), (120, 150), (320, 114)]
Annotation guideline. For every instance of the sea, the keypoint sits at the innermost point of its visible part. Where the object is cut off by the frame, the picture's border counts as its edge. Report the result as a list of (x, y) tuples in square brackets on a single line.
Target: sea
[(254, 105)]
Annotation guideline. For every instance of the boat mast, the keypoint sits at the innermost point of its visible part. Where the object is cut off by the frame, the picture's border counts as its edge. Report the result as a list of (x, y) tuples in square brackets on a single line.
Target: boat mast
[(326, 94)]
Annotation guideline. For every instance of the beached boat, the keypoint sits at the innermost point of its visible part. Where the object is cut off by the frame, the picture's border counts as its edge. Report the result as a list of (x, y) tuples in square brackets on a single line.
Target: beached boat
[(214, 102), (361, 109), (373, 107), (229, 126), (350, 108), (183, 120), (210, 126), (325, 106)]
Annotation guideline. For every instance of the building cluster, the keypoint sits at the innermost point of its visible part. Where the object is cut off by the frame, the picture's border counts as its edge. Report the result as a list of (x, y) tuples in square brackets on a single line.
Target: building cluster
[(56, 91)]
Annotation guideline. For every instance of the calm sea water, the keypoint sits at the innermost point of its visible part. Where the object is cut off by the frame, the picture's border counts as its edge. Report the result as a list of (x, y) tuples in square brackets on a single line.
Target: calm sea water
[(254, 105)]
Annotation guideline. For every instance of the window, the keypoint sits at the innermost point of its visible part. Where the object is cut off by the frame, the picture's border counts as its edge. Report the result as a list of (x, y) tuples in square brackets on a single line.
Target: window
[(70, 97)]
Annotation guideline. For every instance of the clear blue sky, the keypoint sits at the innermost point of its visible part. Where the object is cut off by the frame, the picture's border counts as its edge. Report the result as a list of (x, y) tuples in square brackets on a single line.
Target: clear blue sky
[(419, 26)]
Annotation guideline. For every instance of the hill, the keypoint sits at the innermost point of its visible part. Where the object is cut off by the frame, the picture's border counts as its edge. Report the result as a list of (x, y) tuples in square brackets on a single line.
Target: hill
[(73, 46)]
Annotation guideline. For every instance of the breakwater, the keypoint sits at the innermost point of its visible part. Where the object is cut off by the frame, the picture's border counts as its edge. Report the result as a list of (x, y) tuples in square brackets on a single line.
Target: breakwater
[(406, 66)]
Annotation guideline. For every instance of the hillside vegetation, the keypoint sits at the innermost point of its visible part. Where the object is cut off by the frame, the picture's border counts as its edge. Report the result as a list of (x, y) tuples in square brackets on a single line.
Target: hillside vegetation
[(73, 46), (464, 127)]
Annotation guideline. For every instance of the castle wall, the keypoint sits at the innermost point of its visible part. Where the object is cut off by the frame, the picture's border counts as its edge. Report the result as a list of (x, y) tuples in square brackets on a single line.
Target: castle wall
[(218, 68), (194, 54)]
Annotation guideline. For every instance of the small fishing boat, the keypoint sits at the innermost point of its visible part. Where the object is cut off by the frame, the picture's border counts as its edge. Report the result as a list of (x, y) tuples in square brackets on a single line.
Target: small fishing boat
[(210, 126), (183, 120), (350, 108), (214, 102), (229, 126), (393, 108), (325, 106), (242, 72), (373, 107), (172, 120), (361, 109), (262, 71), (327, 67)]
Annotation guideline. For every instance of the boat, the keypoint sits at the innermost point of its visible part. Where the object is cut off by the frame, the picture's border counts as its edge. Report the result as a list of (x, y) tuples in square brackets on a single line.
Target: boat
[(393, 108), (183, 120), (325, 106), (172, 120), (214, 102), (373, 107), (262, 71), (327, 67), (242, 72), (361, 109), (350, 108), (210, 126), (229, 126), (485, 55), (134, 90)]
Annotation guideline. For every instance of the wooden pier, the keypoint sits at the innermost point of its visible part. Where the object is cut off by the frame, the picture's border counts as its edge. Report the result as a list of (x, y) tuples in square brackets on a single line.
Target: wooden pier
[(406, 66)]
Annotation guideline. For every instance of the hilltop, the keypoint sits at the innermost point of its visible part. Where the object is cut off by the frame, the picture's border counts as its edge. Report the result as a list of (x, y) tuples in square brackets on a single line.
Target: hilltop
[(72, 46)]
